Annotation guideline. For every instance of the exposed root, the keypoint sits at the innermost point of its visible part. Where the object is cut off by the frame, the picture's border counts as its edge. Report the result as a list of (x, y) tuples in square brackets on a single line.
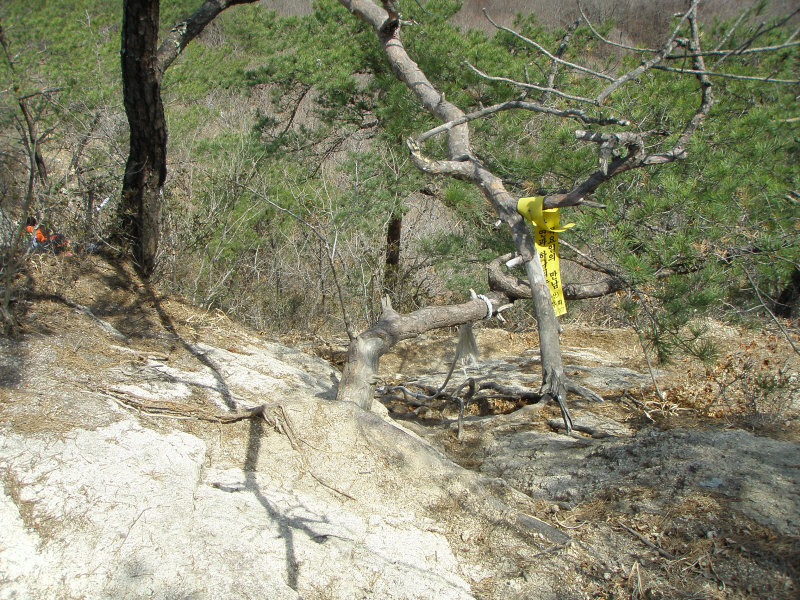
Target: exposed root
[(274, 414), (583, 392), (179, 410), (86, 311), (592, 431)]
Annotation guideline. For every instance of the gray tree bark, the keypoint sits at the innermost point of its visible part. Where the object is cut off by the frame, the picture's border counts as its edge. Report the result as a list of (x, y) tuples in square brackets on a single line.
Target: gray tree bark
[(463, 164), (364, 353)]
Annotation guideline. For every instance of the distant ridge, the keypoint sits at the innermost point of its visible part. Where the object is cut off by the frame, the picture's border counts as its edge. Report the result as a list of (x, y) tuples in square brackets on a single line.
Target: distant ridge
[(637, 20)]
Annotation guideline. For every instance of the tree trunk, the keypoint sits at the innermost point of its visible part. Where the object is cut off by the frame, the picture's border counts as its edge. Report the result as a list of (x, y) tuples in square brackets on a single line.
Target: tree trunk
[(786, 303), (364, 353), (391, 278), (143, 65), (463, 164), (139, 223)]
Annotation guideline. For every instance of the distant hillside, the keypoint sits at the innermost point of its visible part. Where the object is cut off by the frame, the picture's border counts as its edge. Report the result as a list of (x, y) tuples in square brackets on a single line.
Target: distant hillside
[(638, 20)]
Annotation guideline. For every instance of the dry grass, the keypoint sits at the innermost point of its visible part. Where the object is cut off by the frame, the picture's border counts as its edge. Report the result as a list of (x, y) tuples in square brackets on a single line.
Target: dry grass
[(700, 547)]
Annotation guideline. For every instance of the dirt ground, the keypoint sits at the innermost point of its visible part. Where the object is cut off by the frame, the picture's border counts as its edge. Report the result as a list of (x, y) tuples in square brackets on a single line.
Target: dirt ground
[(685, 494), (683, 483)]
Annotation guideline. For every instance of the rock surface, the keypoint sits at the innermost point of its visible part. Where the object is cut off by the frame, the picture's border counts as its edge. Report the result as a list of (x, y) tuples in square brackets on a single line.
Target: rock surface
[(101, 500)]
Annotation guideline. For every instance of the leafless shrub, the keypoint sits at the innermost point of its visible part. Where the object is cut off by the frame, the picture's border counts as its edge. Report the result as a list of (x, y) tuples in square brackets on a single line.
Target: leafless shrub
[(642, 21), (753, 389)]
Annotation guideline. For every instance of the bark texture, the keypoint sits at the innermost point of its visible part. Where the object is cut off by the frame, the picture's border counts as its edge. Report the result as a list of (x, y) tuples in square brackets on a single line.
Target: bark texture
[(391, 280), (364, 353), (146, 170), (143, 65)]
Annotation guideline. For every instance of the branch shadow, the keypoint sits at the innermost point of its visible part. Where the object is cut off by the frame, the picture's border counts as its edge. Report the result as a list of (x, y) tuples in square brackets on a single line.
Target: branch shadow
[(286, 525), (13, 360), (221, 385)]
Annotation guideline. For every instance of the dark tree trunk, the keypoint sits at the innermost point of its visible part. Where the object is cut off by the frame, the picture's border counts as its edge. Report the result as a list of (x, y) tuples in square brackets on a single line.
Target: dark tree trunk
[(143, 65), (139, 223), (786, 303), (391, 280), (33, 138)]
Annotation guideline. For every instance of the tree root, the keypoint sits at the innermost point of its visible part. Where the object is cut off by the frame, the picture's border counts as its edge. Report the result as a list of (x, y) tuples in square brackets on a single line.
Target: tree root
[(113, 332), (493, 498), (179, 410), (420, 400), (592, 431), (274, 414)]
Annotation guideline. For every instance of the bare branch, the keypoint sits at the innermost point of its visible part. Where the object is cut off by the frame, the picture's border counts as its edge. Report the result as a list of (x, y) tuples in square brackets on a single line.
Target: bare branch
[(562, 47), (531, 86), (634, 142), (607, 41), (554, 57), (587, 262), (408, 72), (364, 352), (453, 168), (733, 28), (771, 314), (706, 101), (745, 47), (184, 32), (725, 75), (726, 53), (669, 45), (533, 106)]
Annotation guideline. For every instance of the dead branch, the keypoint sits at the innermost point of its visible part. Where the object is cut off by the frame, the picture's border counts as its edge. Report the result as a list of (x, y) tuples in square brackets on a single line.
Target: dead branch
[(183, 33), (739, 52), (724, 75), (533, 106), (562, 48), (607, 41), (553, 57), (668, 46), (745, 47), (532, 86), (647, 542)]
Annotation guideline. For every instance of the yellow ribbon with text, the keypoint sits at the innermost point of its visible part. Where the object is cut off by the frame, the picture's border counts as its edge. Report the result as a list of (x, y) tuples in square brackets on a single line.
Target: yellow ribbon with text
[(545, 222)]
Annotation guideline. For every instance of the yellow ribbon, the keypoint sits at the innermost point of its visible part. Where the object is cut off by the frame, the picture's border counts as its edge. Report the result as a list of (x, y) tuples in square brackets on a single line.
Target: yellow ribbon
[(547, 228), (533, 210)]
